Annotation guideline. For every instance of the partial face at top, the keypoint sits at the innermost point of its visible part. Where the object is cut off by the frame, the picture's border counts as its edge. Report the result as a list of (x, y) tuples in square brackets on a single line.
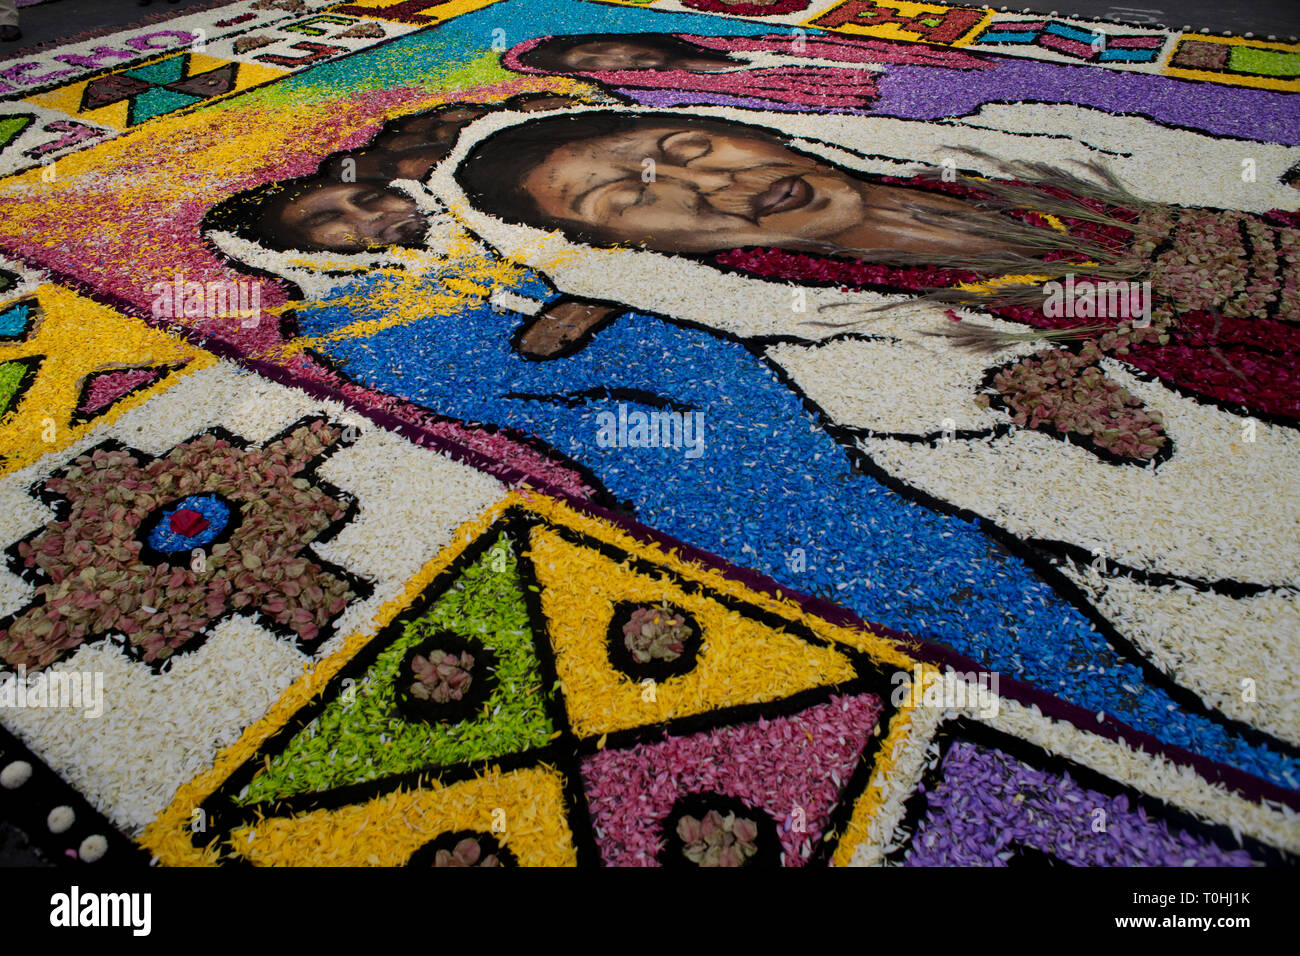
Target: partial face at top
[(612, 55), (714, 188), (350, 217)]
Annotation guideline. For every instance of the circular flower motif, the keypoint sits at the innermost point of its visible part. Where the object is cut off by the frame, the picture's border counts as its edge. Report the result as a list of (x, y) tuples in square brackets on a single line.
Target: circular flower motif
[(653, 641), (442, 676), (713, 829), (718, 840), (467, 852), (463, 848), (445, 679), (656, 633), (193, 522)]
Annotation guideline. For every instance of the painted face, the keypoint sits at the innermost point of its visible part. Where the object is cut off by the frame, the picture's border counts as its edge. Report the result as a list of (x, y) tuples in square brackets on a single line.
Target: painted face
[(348, 217), (600, 55), (613, 55), (711, 189)]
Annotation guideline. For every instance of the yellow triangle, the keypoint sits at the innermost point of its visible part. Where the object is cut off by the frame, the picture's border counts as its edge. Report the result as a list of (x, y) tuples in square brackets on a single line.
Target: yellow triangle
[(66, 99), (202, 63), (524, 810), (248, 74), (741, 661), (79, 336), (251, 74)]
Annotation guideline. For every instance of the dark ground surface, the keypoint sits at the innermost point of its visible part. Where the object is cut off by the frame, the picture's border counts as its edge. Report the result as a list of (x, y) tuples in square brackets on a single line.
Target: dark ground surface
[(1281, 18), (15, 850), (64, 18)]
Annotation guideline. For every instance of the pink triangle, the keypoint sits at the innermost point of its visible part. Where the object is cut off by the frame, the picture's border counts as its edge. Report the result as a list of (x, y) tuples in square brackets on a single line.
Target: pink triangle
[(782, 767), (102, 390)]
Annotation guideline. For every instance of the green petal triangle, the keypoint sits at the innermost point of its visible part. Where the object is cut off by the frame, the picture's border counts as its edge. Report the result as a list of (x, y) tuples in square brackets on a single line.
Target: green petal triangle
[(362, 736), (15, 378), (157, 102), (164, 71), (11, 127)]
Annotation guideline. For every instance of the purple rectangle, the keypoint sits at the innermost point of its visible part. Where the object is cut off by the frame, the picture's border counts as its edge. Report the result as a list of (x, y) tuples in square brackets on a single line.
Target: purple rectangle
[(1136, 43)]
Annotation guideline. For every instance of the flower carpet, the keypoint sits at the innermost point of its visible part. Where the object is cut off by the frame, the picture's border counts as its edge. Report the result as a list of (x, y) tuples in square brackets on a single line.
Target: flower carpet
[(560, 432)]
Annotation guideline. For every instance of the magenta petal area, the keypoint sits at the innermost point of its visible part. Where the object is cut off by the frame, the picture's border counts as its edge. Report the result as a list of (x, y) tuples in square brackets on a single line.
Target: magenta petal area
[(793, 768)]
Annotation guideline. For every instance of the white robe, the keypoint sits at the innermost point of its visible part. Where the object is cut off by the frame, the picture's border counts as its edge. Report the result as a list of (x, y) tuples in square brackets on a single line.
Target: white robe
[(1222, 507)]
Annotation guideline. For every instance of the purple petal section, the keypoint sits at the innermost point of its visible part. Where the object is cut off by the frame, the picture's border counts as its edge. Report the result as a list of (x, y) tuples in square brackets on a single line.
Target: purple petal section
[(987, 801), (928, 92)]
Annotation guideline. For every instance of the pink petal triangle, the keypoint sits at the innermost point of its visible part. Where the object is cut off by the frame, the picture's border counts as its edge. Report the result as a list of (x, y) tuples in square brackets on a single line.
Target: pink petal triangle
[(781, 766), (102, 390)]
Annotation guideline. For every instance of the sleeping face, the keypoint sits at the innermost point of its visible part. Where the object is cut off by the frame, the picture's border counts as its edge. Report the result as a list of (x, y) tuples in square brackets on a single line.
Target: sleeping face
[(712, 188), (349, 217), (617, 55)]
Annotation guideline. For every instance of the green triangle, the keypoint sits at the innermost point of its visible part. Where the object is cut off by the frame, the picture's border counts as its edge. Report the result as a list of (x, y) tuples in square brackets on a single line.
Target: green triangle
[(163, 72), (11, 127), (361, 735), (157, 102), (15, 378)]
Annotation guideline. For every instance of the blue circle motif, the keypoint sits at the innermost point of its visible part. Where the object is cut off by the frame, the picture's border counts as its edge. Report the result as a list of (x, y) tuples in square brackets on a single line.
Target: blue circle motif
[(166, 541)]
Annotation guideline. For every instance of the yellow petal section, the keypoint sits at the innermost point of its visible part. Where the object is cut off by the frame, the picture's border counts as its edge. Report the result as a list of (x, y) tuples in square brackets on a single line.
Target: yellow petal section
[(742, 661), (78, 336), (523, 809)]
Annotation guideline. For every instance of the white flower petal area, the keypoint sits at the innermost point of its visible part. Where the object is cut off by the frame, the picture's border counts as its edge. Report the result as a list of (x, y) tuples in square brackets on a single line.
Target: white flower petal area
[(1157, 162), (899, 380), (1219, 508), (159, 730), (1197, 638)]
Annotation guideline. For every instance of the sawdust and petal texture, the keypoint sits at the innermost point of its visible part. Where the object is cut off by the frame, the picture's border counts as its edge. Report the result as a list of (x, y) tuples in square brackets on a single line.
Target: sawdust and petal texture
[(96, 576)]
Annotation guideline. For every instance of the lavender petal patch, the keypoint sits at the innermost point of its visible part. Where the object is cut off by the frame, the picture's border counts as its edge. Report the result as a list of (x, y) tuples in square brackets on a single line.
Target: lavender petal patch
[(987, 804)]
